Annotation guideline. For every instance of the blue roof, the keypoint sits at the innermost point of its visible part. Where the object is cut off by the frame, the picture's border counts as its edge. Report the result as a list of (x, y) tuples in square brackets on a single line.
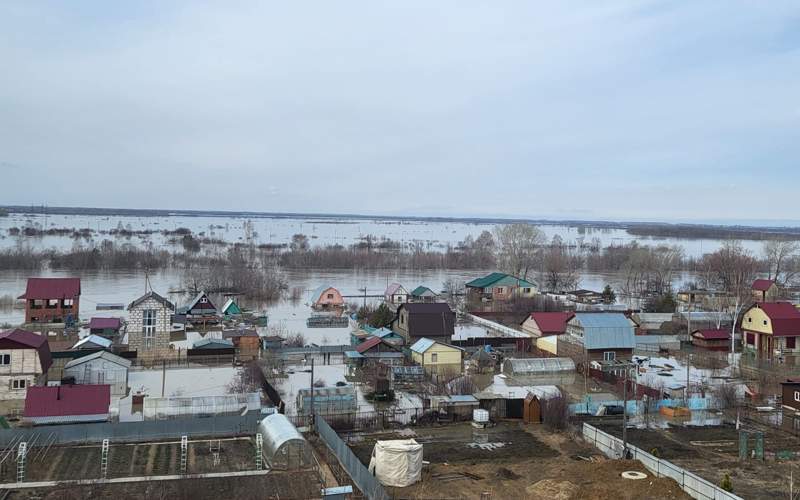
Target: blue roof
[(383, 332), (422, 345), (464, 399), (606, 330), (353, 354)]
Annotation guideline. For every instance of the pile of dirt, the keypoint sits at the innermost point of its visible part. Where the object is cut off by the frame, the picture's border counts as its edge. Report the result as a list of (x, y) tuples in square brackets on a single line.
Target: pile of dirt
[(550, 489), (503, 473), (603, 482)]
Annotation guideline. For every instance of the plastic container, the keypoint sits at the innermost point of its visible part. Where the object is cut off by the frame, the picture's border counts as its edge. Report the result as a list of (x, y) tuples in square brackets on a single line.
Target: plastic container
[(480, 416)]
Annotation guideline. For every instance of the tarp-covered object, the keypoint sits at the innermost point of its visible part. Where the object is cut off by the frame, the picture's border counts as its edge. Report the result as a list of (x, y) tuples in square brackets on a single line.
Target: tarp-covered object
[(397, 462)]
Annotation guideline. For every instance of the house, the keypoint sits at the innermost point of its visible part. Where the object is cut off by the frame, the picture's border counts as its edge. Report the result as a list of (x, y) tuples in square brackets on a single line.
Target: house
[(791, 394), (364, 332), (423, 294), (542, 324), (437, 357), (500, 286), (100, 368), (199, 309), (509, 398), (52, 300), (272, 342), (231, 308), (24, 361), (771, 329), (374, 350), (765, 290), (395, 294), (598, 337), (245, 340), (715, 339), (149, 322), (209, 344), (92, 342), (584, 296), (325, 297), (416, 320), (105, 327), (67, 404)]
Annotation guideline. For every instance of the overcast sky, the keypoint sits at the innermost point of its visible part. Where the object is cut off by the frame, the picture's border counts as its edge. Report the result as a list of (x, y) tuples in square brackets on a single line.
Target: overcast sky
[(619, 109)]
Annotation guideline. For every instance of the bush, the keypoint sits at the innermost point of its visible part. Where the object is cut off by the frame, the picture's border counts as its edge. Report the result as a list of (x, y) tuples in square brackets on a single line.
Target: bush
[(726, 483)]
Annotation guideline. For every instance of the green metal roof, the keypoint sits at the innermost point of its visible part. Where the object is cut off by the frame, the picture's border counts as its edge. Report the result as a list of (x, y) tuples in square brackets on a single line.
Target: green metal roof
[(499, 279), (420, 291)]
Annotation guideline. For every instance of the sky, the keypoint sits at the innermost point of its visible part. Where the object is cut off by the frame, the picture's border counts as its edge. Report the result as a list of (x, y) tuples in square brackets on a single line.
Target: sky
[(631, 110)]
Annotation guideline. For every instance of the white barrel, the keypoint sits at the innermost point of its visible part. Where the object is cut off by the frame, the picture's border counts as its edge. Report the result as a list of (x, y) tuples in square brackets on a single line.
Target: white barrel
[(480, 416)]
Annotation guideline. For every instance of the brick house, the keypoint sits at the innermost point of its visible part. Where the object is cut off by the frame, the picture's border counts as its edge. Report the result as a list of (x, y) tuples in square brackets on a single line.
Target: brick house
[(52, 300), (24, 361), (149, 322)]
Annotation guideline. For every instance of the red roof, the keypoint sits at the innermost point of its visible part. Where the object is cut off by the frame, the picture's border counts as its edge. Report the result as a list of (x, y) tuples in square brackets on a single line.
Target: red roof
[(23, 339), (784, 316), (762, 285), (67, 400), (52, 288), (368, 344), (103, 323), (552, 323), (712, 334)]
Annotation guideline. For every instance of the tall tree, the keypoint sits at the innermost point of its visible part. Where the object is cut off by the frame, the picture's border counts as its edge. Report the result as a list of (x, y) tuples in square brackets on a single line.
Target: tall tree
[(782, 260), (560, 266), (518, 247)]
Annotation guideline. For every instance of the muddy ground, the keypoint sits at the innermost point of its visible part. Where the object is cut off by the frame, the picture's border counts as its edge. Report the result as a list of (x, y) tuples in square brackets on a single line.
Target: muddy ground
[(713, 451), (127, 460), (275, 485), (533, 464)]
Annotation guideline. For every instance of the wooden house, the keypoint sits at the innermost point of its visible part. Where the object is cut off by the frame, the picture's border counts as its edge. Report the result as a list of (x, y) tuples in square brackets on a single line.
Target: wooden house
[(199, 309), (245, 340), (437, 357), (770, 329), (715, 339), (231, 308), (105, 327), (542, 324), (374, 350), (326, 297), (52, 300), (24, 361), (500, 287), (765, 290), (417, 320), (149, 322), (395, 295), (423, 294)]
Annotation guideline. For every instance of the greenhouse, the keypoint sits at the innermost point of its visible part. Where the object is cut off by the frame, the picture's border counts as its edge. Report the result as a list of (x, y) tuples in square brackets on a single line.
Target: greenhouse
[(284, 447), (537, 366)]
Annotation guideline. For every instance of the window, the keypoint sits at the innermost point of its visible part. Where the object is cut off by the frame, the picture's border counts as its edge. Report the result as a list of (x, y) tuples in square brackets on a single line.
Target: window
[(52, 303), (18, 384), (749, 320), (499, 290), (526, 290), (204, 300), (330, 296), (791, 342), (609, 356), (434, 357), (5, 359), (765, 322), (67, 303), (149, 327), (37, 304), (751, 339)]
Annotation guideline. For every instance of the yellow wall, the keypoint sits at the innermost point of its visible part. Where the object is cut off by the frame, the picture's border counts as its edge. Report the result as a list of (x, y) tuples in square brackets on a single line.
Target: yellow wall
[(446, 357), (753, 320)]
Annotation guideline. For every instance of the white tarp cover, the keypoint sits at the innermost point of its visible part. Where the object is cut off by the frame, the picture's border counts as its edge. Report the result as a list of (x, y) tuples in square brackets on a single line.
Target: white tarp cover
[(397, 462)]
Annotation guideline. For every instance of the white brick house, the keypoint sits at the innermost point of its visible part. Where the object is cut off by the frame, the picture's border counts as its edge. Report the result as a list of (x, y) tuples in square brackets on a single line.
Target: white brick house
[(149, 322)]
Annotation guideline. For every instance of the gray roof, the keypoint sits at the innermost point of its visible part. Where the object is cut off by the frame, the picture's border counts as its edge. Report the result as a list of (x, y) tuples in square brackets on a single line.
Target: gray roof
[(423, 344), (606, 330), (110, 357), (212, 343)]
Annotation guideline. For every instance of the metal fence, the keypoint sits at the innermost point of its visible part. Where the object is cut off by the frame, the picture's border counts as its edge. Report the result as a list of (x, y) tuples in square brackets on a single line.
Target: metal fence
[(692, 484), (359, 473), (151, 430)]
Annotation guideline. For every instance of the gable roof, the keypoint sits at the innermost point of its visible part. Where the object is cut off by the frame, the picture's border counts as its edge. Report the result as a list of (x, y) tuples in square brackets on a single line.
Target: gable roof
[(785, 318), (393, 289), (209, 343), (101, 342), (762, 285), (152, 295), (370, 343), (196, 300), (422, 290), (552, 323), (23, 339), (105, 323), (230, 304), (317, 294), (52, 288), (67, 400), (499, 278), (433, 319), (712, 334), (423, 344), (110, 357), (606, 330)]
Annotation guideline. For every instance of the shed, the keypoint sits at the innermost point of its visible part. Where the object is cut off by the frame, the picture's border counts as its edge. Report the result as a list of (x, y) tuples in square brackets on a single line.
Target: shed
[(212, 343), (284, 447), (99, 368), (92, 342), (64, 404), (397, 462), (231, 308), (108, 327)]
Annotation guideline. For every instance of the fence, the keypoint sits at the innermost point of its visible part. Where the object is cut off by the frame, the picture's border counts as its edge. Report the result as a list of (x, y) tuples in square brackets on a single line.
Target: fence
[(692, 484), (373, 420), (359, 473), (151, 430), (637, 407)]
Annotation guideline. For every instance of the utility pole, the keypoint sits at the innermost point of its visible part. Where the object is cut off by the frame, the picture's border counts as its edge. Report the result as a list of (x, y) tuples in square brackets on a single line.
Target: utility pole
[(312, 390), (625, 415), (163, 375), (688, 365)]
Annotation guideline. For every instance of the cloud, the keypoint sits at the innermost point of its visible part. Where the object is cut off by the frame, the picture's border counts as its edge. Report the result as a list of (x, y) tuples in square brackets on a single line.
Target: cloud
[(621, 110)]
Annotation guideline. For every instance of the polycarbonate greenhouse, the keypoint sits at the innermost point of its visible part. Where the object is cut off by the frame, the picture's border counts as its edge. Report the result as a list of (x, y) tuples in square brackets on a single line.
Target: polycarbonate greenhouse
[(537, 366), (284, 447)]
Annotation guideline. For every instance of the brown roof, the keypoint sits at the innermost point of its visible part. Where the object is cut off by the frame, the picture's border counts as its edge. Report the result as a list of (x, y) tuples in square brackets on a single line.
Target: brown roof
[(152, 295), (552, 323), (23, 339), (67, 400), (712, 334), (52, 288), (430, 319), (762, 285)]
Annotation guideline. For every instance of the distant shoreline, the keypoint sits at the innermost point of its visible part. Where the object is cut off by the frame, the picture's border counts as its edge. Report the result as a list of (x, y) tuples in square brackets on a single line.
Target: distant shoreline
[(644, 229)]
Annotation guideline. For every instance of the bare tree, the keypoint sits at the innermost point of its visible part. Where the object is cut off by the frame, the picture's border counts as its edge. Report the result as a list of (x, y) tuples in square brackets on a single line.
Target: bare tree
[(782, 261), (560, 266), (517, 248)]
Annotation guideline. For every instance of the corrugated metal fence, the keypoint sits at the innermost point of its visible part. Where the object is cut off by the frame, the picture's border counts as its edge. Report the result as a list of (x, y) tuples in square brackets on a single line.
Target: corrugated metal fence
[(359, 473), (692, 484), (151, 430)]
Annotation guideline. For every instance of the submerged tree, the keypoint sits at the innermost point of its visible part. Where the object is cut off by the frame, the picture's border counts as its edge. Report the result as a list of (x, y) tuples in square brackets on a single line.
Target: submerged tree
[(518, 247)]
